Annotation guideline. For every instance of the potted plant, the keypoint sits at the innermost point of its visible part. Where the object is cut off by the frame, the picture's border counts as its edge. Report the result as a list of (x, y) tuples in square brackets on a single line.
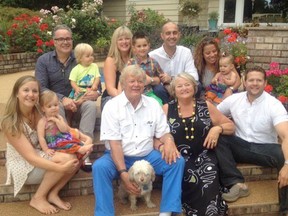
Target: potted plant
[(213, 19)]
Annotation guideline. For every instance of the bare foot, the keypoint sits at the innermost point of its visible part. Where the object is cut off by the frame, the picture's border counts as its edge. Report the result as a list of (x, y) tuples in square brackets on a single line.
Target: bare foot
[(59, 203), (85, 148), (43, 206)]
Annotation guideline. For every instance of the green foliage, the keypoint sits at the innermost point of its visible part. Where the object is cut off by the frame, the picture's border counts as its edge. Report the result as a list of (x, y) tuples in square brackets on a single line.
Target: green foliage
[(189, 8), (283, 84), (213, 15), (4, 46), (148, 21), (38, 4), (190, 40), (102, 42)]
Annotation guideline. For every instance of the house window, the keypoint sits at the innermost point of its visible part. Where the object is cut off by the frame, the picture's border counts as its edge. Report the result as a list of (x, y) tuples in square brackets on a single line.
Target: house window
[(262, 11)]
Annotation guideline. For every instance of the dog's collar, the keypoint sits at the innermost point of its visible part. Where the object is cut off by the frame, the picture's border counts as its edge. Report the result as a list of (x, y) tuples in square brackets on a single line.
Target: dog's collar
[(145, 187)]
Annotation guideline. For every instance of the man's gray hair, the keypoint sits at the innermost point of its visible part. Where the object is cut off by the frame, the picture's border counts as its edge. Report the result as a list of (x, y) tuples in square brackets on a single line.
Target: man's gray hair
[(132, 70), (58, 27)]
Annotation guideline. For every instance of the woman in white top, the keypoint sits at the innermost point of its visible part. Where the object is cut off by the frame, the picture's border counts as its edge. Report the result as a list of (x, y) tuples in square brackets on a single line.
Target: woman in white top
[(26, 162)]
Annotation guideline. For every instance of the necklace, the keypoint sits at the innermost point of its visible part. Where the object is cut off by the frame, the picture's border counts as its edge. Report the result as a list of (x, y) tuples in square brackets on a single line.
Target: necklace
[(28, 120), (189, 132)]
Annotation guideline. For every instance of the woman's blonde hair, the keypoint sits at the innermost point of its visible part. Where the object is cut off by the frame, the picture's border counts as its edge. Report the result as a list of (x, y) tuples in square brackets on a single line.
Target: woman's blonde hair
[(81, 49), (47, 96), (185, 76), (113, 51), (11, 121)]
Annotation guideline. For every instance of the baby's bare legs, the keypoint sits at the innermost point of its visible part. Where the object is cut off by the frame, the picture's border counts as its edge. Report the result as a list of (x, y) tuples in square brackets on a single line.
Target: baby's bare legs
[(85, 148)]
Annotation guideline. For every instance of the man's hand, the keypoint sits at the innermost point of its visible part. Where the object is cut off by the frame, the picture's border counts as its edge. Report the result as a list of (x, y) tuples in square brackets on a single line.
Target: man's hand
[(89, 95), (165, 78), (69, 104), (131, 187), (283, 177)]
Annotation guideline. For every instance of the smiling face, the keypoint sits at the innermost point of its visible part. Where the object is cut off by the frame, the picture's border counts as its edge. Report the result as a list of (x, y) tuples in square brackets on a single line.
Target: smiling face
[(133, 87), (63, 41), (170, 35), (184, 88), (28, 94), (51, 107), (124, 43), (210, 54), (141, 48), (254, 84)]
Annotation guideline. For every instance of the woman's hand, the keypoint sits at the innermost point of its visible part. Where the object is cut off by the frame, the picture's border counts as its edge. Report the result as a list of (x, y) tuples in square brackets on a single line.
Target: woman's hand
[(70, 166), (212, 137), (69, 104), (169, 152)]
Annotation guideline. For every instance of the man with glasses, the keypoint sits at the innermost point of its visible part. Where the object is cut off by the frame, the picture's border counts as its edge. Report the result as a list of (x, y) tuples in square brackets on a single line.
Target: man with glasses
[(53, 71)]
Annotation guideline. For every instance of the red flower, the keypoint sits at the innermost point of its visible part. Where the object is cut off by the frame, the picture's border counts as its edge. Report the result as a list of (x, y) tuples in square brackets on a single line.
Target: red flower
[(39, 50), (9, 32), (44, 26), (39, 43), (217, 40), (14, 25), (232, 38), (283, 99), (268, 88), (227, 31), (35, 19), (36, 36)]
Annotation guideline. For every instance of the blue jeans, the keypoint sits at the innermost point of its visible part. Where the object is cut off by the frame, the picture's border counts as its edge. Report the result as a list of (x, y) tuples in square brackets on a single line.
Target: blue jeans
[(161, 92), (104, 172), (232, 150)]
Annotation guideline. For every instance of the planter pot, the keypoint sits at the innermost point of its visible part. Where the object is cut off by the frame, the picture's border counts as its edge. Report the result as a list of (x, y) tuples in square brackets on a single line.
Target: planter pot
[(212, 24)]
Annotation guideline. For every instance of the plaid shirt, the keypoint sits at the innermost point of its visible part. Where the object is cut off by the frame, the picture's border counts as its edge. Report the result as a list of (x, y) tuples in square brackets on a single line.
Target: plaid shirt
[(150, 66)]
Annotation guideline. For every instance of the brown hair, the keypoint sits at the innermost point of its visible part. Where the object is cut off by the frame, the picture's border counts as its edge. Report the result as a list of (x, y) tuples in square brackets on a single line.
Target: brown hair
[(255, 68), (199, 60), (46, 96)]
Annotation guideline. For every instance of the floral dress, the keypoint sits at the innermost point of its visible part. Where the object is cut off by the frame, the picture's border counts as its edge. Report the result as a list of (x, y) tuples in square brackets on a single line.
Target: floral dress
[(201, 190)]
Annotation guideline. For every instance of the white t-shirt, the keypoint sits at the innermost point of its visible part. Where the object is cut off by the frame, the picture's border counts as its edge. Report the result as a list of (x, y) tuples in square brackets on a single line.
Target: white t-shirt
[(256, 121), (181, 61), (136, 128)]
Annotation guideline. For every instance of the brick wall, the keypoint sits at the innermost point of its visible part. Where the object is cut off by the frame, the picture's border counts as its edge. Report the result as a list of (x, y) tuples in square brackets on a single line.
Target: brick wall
[(15, 62), (268, 44)]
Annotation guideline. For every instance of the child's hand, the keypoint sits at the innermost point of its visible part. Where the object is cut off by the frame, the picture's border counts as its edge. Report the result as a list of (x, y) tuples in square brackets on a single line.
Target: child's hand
[(50, 152), (214, 81)]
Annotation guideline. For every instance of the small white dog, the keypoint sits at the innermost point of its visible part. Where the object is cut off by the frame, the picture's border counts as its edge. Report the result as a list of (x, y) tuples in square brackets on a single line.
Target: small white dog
[(143, 174)]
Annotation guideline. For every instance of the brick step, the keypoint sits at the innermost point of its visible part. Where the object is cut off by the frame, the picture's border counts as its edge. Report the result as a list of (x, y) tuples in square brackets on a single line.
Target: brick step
[(261, 201)]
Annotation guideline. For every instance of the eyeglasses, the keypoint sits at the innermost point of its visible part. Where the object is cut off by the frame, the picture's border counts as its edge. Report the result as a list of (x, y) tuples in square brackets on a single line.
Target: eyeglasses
[(62, 40)]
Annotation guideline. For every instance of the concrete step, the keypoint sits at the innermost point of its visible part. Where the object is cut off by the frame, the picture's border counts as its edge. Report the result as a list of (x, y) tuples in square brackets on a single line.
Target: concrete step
[(262, 201)]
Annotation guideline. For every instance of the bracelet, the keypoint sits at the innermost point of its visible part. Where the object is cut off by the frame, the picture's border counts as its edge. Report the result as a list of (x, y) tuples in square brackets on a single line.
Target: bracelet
[(222, 129), (122, 171), (160, 146), (286, 162)]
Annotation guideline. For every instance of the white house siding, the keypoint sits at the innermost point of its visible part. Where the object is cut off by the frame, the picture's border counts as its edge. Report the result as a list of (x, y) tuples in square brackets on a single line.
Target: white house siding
[(169, 8)]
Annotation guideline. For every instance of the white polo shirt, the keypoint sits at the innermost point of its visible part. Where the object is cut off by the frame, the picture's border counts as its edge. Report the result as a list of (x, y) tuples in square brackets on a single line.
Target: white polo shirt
[(181, 61), (255, 122), (136, 128)]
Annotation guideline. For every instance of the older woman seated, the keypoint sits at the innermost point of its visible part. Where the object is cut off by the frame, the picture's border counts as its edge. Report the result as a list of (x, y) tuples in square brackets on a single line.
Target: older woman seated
[(196, 126)]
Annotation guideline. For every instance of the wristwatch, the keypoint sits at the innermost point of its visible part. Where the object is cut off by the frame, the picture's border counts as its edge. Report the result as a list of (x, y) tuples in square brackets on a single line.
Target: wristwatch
[(231, 87), (152, 80)]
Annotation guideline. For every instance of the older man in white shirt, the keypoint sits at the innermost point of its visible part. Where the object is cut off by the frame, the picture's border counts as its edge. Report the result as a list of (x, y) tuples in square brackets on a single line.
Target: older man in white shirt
[(129, 124), (260, 119)]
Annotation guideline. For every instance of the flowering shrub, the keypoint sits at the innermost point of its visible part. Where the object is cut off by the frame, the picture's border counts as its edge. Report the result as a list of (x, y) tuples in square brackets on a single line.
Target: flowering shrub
[(28, 33), (189, 8), (148, 21), (233, 41), (277, 82), (87, 23)]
